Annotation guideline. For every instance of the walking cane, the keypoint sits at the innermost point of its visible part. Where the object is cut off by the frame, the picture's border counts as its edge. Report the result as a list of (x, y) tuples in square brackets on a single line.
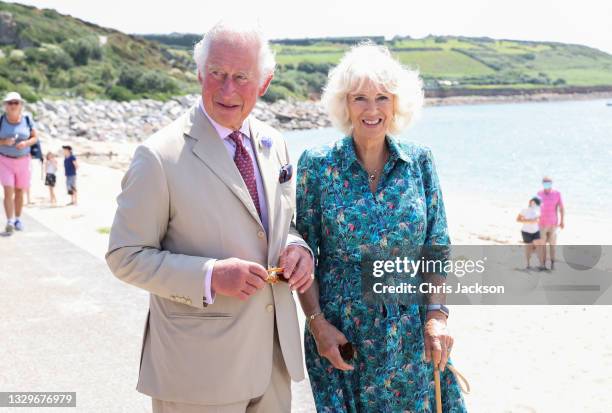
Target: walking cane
[(464, 385), (438, 390)]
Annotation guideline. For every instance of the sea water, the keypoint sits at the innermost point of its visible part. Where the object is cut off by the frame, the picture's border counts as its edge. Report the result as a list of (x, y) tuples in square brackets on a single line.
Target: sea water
[(498, 153)]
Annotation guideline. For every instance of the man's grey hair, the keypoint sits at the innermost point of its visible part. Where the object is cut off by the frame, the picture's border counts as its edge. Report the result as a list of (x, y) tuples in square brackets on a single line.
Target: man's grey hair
[(223, 30)]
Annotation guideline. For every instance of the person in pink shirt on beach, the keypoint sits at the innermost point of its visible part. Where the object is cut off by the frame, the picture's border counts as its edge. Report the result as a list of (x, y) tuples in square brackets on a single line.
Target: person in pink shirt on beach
[(552, 215)]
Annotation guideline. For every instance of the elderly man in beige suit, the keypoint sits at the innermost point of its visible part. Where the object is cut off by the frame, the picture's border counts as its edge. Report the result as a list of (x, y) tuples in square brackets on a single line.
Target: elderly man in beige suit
[(206, 205)]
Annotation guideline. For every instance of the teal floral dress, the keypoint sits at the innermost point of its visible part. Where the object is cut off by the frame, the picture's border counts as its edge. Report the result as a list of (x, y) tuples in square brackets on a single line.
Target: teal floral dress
[(339, 217)]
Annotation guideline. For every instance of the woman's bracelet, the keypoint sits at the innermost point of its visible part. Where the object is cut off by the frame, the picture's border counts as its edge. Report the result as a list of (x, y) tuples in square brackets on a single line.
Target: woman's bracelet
[(311, 317)]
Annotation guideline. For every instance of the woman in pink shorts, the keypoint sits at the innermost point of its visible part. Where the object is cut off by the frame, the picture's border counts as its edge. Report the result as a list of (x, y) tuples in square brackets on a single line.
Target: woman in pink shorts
[(17, 134)]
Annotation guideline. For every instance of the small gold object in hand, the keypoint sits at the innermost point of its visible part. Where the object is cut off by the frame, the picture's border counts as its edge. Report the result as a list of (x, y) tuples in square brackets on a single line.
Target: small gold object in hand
[(275, 274)]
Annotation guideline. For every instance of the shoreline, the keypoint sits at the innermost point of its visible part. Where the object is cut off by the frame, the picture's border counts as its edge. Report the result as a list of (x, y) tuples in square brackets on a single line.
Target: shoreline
[(107, 132), (134, 121), (516, 98)]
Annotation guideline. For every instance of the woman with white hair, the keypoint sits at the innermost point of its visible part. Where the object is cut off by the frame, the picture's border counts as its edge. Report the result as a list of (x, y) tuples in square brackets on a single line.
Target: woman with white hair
[(371, 192)]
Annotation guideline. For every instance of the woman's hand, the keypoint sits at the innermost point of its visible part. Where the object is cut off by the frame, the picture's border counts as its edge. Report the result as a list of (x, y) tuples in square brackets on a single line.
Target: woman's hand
[(438, 342), (298, 267), (328, 338), (21, 145)]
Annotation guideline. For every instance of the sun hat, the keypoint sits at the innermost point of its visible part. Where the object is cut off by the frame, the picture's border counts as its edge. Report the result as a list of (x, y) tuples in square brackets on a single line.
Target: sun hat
[(12, 96)]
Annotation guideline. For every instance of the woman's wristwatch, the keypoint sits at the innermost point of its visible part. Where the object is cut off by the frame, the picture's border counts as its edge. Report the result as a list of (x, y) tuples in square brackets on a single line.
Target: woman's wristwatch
[(438, 307)]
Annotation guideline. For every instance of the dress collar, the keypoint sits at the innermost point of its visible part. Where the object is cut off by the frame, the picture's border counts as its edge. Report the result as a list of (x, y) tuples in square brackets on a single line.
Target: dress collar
[(348, 156)]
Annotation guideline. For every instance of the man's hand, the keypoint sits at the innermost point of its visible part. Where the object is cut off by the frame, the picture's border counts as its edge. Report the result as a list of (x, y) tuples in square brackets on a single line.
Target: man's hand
[(438, 341), (237, 278), (297, 264), (561, 225), (328, 338)]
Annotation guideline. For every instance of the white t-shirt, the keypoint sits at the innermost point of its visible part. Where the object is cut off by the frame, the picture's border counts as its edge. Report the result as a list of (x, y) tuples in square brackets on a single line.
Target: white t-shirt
[(51, 167), (531, 213)]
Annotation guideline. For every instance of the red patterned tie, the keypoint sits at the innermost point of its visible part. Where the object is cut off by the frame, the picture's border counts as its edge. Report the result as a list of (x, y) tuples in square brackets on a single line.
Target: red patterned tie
[(245, 166)]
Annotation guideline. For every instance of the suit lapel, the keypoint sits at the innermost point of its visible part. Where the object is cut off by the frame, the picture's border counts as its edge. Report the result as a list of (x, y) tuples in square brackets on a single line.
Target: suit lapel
[(209, 148), (269, 173)]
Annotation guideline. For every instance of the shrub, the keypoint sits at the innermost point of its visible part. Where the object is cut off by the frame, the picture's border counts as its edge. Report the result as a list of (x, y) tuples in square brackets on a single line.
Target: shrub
[(83, 49), (129, 76), (310, 67), (276, 92), (27, 93), (289, 85), (17, 56), (120, 94), (53, 57), (77, 77), (5, 85), (154, 81), (88, 90), (139, 81), (59, 59), (315, 82), (59, 79)]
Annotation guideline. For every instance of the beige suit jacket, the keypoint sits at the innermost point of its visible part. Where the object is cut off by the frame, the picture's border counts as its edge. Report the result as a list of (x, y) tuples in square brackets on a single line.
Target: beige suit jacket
[(183, 202)]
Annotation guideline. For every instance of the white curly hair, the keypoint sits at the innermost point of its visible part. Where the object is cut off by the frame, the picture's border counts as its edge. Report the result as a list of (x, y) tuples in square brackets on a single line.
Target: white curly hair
[(368, 62)]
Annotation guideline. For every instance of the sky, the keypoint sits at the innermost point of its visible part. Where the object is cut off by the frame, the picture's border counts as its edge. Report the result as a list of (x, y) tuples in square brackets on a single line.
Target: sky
[(586, 22)]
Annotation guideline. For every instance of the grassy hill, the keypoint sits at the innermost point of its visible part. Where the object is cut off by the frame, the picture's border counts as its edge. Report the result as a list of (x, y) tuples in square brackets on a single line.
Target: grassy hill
[(477, 63), (449, 64), (44, 53)]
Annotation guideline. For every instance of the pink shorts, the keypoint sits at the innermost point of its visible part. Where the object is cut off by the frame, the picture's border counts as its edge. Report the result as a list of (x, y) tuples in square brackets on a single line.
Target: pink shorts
[(15, 172)]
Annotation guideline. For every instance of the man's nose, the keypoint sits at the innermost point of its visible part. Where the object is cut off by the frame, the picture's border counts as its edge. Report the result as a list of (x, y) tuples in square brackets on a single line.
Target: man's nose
[(228, 86)]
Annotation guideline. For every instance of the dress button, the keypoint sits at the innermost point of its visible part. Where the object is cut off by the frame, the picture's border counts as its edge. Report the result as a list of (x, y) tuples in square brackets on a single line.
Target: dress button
[(260, 234), (270, 308)]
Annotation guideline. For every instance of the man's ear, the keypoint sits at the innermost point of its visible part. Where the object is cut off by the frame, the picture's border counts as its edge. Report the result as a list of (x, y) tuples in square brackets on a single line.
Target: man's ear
[(200, 76), (264, 87)]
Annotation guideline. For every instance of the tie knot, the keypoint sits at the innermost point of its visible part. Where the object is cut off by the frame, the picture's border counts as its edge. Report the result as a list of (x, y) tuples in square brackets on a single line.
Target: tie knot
[(236, 136)]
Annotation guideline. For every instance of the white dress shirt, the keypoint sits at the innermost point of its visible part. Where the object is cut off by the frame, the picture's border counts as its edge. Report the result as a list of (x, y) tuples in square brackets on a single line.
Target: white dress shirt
[(224, 133)]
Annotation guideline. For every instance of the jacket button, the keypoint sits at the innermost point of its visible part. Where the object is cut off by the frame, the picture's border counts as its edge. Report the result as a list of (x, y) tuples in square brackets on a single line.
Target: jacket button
[(270, 308), (260, 234)]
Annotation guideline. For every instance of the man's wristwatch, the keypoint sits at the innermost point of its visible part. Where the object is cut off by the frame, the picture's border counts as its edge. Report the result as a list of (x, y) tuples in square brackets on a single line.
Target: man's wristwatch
[(438, 307)]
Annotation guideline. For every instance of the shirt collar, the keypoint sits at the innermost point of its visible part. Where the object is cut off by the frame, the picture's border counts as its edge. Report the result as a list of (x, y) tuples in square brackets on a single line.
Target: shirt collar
[(349, 157), (222, 131)]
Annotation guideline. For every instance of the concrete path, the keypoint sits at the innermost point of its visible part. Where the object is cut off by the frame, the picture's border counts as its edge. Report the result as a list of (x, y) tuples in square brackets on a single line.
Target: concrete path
[(69, 325)]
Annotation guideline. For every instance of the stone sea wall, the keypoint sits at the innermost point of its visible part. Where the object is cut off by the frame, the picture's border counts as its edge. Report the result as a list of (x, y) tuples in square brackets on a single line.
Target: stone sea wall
[(110, 121)]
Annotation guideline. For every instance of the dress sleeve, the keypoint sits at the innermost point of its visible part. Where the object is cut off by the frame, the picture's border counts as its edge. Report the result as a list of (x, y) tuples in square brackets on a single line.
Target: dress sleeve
[(437, 229), (308, 203), (437, 242)]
